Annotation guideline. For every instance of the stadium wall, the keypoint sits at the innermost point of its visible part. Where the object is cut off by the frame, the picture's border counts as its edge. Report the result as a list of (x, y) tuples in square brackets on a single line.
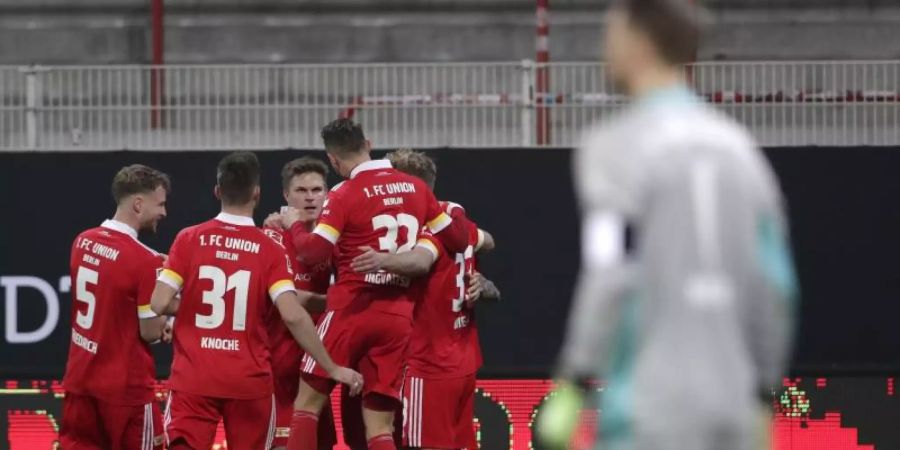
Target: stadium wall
[(842, 215), (843, 221)]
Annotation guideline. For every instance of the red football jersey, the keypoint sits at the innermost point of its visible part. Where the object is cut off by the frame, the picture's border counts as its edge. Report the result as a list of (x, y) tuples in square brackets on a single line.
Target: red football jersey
[(113, 276), (283, 346), (444, 343), (384, 209), (227, 270)]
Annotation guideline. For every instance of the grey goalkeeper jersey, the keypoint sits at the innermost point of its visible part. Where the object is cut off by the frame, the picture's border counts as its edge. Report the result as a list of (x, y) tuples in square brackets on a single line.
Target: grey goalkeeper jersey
[(694, 320)]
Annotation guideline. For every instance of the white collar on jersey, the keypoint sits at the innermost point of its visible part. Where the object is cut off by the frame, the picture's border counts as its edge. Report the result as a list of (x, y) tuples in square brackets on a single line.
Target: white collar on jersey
[(235, 220), (373, 164), (121, 227)]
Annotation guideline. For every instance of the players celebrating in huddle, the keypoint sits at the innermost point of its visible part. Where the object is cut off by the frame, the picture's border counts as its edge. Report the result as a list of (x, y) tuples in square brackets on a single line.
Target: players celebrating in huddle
[(387, 272)]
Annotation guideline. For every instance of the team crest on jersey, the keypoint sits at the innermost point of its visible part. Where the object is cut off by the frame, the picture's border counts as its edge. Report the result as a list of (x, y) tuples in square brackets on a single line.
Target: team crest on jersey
[(276, 236)]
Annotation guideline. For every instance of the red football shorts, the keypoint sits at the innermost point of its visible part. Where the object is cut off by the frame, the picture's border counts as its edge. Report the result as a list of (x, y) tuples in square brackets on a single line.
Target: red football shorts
[(371, 342), (439, 413), (89, 423), (191, 420)]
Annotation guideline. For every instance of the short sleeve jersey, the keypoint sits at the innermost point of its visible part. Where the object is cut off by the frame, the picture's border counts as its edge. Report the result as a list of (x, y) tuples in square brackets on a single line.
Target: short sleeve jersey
[(444, 343), (113, 276), (384, 209), (227, 271)]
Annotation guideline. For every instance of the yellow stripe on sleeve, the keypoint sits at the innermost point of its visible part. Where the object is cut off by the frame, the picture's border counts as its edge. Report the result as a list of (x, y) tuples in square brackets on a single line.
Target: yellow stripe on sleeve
[(171, 278), (428, 245), (328, 232), (439, 223), (144, 312), (280, 287)]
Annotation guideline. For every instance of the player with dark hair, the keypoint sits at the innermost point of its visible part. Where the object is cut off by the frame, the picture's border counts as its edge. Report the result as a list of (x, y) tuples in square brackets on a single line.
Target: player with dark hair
[(369, 317), (224, 269), (444, 353), (687, 320), (110, 373), (304, 190)]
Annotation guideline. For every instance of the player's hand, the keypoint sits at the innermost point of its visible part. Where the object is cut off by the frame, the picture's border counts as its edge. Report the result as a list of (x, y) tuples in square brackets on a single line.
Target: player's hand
[(167, 331), (350, 377), (559, 416), (475, 283), (273, 221), (369, 261), (289, 216)]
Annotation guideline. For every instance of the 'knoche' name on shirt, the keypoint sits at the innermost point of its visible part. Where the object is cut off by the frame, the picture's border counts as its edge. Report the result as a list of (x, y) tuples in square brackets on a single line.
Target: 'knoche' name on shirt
[(231, 243), (233, 345), (98, 249), (381, 190)]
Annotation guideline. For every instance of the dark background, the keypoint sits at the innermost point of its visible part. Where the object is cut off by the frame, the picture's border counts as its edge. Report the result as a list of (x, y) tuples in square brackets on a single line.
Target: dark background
[(842, 213)]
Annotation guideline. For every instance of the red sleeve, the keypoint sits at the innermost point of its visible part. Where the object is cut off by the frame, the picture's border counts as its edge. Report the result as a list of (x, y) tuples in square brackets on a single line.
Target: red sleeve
[(279, 276), (312, 248), (178, 264), (148, 270), (452, 234)]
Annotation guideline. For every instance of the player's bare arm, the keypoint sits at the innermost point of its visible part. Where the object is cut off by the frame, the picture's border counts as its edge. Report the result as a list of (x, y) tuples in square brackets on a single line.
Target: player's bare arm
[(304, 330), (152, 329), (314, 303), (414, 263), (487, 243), (163, 302)]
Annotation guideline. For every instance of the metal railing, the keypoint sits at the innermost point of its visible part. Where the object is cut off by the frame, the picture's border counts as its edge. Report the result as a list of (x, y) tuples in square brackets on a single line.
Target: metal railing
[(420, 105)]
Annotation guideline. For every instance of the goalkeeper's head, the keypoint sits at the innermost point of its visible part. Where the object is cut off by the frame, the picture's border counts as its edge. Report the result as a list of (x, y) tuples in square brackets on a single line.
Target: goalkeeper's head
[(647, 38)]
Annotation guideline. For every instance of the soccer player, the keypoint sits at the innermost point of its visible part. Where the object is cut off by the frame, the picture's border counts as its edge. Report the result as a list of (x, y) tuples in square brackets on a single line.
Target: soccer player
[(369, 317), (304, 190), (225, 268), (688, 322), (109, 402), (444, 353)]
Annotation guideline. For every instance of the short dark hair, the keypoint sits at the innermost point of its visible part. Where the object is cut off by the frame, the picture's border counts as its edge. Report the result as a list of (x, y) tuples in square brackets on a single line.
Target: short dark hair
[(673, 26), (343, 137), (415, 163), (300, 166), (238, 174), (137, 179)]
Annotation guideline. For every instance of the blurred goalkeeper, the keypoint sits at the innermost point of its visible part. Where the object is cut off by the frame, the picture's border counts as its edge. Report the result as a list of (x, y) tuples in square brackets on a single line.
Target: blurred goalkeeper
[(687, 318)]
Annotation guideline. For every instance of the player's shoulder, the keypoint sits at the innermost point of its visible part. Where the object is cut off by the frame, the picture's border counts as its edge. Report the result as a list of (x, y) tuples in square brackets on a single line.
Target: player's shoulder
[(89, 233), (269, 239), (276, 234)]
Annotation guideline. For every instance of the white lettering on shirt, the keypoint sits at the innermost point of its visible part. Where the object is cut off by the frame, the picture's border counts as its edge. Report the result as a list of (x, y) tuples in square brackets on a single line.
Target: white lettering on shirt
[(387, 279), (232, 345), (84, 342)]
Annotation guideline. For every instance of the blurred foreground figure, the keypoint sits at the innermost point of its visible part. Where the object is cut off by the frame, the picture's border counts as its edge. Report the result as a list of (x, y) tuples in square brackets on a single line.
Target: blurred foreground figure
[(686, 290)]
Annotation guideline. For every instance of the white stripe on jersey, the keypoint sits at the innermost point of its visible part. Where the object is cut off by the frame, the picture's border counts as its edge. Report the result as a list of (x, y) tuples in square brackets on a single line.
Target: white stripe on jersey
[(309, 363)]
